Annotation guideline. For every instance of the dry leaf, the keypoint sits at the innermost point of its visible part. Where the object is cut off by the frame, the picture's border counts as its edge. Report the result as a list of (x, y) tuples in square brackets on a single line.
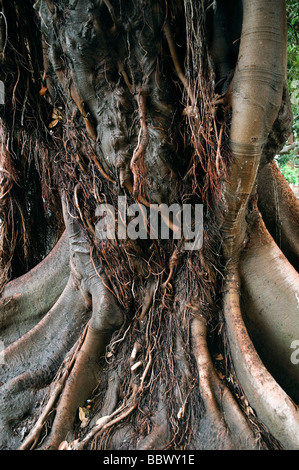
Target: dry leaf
[(57, 114), (53, 123), (83, 413), (43, 91), (220, 375), (84, 423), (248, 410), (83, 416), (219, 357), (63, 445)]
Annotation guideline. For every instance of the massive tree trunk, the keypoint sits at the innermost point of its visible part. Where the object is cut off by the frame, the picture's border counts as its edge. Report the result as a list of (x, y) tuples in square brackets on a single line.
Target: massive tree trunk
[(141, 342)]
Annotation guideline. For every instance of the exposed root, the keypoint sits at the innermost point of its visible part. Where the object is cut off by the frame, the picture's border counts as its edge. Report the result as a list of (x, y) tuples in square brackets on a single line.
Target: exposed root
[(27, 299), (221, 410), (280, 210), (79, 386), (26, 373), (67, 314), (173, 263), (106, 317), (271, 404), (81, 377), (159, 435), (269, 301), (55, 390)]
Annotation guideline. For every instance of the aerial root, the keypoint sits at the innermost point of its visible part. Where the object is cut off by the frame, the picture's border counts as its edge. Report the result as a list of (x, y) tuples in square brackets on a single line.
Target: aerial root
[(173, 263), (221, 409), (173, 52), (137, 161), (271, 404)]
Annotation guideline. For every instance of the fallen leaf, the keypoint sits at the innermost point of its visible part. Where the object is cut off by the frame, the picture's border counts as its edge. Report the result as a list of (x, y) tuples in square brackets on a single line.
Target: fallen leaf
[(248, 410), (63, 445), (219, 357), (83, 416), (57, 114), (43, 91), (53, 123), (84, 423), (220, 375)]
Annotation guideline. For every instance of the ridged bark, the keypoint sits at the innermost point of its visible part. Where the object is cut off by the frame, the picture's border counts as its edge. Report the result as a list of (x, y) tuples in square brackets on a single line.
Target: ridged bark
[(144, 344)]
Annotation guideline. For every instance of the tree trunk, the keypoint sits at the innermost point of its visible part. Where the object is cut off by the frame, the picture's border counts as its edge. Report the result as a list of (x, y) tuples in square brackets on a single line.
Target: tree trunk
[(146, 342)]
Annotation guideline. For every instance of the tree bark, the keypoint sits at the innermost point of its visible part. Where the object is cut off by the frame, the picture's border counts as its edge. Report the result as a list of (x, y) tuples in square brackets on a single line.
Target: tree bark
[(280, 210), (142, 343)]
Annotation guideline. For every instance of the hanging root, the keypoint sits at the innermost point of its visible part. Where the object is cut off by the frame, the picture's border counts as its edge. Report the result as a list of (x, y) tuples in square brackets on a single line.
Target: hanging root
[(176, 62), (137, 161), (173, 263)]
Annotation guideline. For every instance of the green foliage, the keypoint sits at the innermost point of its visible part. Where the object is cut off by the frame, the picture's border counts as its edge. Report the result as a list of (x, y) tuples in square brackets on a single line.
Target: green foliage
[(293, 39), (289, 163), (289, 166), (293, 59)]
